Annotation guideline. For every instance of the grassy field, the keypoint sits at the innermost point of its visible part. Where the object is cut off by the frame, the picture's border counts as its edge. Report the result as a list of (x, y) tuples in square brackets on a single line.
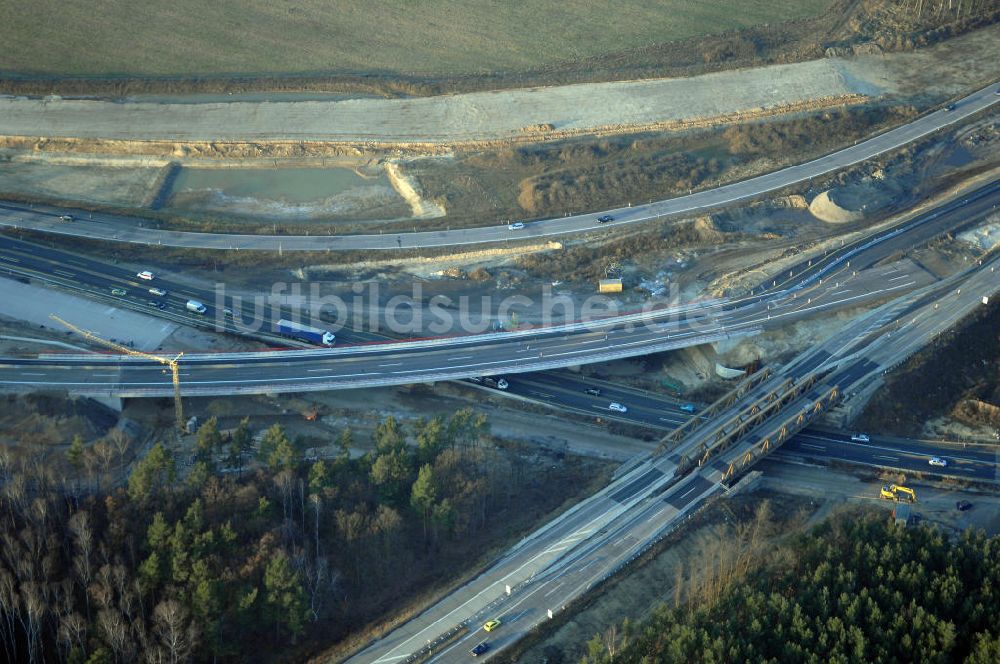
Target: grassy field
[(402, 37)]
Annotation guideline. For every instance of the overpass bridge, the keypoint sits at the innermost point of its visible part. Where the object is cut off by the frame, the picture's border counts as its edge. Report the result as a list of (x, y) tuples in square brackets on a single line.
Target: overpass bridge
[(396, 363), (597, 537), (851, 276)]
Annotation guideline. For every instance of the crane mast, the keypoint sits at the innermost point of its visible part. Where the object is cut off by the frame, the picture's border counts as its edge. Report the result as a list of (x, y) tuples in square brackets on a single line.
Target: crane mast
[(175, 374)]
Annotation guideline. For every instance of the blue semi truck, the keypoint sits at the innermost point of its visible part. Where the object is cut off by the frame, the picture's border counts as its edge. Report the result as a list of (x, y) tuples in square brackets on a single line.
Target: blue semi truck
[(313, 335)]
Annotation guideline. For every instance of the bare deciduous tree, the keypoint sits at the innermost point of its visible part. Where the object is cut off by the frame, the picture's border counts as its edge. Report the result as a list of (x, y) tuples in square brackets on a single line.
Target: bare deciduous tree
[(115, 630), (105, 455), (83, 540), (120, 443), (175, 630), (320, 582), (72, 631)]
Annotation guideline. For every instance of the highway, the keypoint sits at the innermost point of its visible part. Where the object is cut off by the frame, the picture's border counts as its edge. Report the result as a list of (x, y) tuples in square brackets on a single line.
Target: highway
[(566, 557), (97, 279), (827, 284), (566, 391), (137, 231), (967, 462), (454, 357)]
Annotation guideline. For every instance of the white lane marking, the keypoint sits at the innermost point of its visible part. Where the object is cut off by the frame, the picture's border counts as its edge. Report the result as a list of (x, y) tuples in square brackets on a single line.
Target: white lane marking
[(392, 364), (577, 342), (25, 373), (621, 539), (8, 258), (887, 458), (557, 587), (461, 357), (63, 273), (659, 512), (693, 488), (902, 276), (556, 549), (815, 447)]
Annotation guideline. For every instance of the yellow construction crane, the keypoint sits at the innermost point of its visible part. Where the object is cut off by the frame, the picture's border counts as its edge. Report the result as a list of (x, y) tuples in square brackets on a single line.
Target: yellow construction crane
[(172, 363)]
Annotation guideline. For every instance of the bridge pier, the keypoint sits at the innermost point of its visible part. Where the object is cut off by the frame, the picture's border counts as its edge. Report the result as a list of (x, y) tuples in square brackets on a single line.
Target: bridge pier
[(114, 403), (851, 407)]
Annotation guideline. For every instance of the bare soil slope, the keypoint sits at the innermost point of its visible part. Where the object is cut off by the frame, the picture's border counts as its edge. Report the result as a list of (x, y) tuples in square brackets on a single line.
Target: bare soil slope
[(536, 113), (943, 380)]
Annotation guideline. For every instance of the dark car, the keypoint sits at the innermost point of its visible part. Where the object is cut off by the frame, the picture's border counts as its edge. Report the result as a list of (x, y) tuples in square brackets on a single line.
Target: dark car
[(157, 304), (595, 391), (603, 219), (480, 648), (950, 107), (963, 505)]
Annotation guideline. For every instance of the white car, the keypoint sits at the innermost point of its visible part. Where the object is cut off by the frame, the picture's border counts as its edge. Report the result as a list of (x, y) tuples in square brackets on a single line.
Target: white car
[(938, 461), (158, 292), (516, 226), (861, 438), (617, 407), (145, 274)]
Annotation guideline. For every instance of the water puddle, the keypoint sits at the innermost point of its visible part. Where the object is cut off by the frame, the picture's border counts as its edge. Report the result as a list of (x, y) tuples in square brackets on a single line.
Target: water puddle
[(281, 192)]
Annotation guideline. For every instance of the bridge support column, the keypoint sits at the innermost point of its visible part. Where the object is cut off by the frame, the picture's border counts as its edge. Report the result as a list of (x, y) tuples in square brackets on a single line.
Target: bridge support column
[(114, 403)]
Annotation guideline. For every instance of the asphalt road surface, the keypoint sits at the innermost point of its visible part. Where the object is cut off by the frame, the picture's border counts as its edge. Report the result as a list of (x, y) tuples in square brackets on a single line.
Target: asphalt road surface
[(462, 357), (827, 284), (97, 279), (129, 229), (568, 391), (563, 559)]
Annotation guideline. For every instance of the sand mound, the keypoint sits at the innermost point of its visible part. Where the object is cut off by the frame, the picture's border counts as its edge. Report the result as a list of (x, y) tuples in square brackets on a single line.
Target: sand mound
[(824, 208)]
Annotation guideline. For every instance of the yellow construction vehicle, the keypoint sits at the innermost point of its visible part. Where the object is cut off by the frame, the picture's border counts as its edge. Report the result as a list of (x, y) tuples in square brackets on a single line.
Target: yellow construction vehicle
[(898, 493)]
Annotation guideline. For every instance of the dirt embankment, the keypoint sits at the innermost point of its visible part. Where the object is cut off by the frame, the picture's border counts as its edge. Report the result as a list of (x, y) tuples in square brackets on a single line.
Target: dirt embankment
[(44, 420), (412, 140), (961, 368), (409, 189)]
